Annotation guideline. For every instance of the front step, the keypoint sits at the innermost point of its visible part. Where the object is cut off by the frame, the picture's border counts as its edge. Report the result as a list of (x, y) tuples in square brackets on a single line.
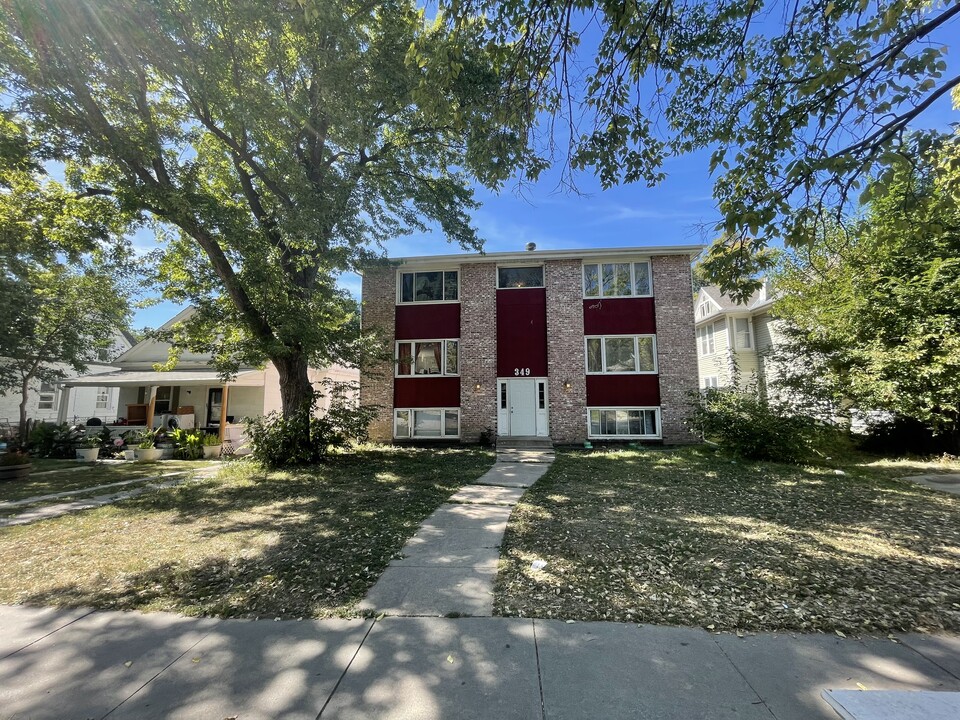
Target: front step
[(523, 442)]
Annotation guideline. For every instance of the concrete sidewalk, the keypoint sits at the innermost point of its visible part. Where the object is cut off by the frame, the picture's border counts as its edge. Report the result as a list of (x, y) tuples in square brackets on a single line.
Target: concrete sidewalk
[(76, 664)]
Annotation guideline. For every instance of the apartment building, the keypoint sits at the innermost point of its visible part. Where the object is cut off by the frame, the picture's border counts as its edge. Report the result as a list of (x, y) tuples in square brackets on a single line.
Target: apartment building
[(570, 345)]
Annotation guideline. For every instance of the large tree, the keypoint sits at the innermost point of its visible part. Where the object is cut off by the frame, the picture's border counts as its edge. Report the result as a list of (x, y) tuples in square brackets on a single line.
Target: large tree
[(65, 273), (281, 140), (798, 102), (873, 309)]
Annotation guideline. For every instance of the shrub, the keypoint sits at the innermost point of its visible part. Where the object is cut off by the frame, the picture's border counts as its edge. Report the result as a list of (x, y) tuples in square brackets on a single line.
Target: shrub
[(278, 441), (750, 425), (189, 443), (54, 441)]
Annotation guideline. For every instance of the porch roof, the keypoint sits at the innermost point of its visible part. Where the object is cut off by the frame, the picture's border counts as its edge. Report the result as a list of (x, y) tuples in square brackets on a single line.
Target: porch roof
[(127, 378)]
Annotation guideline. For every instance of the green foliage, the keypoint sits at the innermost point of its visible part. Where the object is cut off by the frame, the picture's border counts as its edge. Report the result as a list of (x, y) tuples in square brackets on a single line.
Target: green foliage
[(12, 459), (277, 144), (278, 440), (798, 104), (188, 443), (49, 440), (874, 306), (750, 425), (211, 440)]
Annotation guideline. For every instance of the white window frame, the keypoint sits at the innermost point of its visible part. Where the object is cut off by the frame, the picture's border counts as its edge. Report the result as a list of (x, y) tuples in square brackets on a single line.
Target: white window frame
[(710, 382), (411, 423), (103, 398), (401, 272), (617, 261), (706, 340), (749, 334), (523, 265), (656, 410), (603, 354), (443, 358), (47, 399)]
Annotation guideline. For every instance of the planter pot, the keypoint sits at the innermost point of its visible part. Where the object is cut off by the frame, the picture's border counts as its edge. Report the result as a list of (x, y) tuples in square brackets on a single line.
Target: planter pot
[(148, 454), (129, 454), (211, 452), (87, 454), (14, 472)]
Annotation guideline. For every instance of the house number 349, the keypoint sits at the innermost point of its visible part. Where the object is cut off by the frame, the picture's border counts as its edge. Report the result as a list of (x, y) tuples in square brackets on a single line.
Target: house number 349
[(519, 372)]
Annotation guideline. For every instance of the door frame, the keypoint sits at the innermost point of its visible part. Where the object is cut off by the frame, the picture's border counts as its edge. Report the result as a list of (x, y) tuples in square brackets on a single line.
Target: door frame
[(541, 399)]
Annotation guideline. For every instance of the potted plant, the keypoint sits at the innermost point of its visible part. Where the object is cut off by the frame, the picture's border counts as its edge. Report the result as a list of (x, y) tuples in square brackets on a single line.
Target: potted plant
[(14, 466), (89, 449), (145, 451), (211, 446)]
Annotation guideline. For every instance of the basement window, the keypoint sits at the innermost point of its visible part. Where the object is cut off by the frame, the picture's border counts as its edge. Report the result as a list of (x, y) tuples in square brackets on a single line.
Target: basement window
[(435, 423), (624, 423)]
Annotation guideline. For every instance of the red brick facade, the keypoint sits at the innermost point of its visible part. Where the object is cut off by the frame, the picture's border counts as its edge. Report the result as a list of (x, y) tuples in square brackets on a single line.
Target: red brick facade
[(668, 315), (676, 344)]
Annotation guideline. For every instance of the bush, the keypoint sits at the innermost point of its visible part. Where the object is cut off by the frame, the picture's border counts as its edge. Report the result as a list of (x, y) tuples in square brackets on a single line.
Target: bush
[(752, 426), (49, 440), (303, 438), (903, 435)]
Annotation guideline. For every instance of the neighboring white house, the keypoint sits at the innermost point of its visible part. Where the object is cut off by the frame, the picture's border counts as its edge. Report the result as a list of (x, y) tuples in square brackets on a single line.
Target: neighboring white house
[(191, 395), (734, 335), (45, 400)]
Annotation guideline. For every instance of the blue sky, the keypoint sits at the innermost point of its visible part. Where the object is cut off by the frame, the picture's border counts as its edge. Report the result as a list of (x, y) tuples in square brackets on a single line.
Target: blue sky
[(678, 211)]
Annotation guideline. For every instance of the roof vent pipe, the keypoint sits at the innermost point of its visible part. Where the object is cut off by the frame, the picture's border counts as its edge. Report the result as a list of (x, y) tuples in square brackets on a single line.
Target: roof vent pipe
[(531, 247)]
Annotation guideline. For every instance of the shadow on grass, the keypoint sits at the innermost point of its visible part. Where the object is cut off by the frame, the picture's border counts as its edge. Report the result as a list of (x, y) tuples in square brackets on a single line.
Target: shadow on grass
[(688, 537), (304, 543)]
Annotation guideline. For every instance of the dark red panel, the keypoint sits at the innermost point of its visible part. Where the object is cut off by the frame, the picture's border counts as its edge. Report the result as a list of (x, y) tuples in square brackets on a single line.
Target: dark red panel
[(623, 390), (426, 392), (522, 331), (428, 322), (618, 316)]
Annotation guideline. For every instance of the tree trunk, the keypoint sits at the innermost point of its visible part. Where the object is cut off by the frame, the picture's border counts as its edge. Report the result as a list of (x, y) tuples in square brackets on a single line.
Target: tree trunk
[(295, 388), (24, 394)]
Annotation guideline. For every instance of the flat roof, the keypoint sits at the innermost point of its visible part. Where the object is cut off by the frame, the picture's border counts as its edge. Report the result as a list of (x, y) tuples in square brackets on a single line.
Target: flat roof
[(574, 254)]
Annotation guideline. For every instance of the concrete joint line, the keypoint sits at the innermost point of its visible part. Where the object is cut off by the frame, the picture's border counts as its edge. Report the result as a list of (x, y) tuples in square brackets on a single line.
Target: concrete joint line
[(346, 669), (89, 612), (536, 651), (929, 659), (161, 671), (749, 684)]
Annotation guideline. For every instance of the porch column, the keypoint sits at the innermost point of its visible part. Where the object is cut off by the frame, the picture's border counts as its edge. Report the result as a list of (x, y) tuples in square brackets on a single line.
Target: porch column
[(151, 406), (223, 413), (64, 404)]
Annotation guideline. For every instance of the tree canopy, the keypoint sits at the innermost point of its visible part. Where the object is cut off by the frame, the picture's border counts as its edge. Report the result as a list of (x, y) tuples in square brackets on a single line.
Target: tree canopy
[(282, 141), (874, 310), (799, 103)]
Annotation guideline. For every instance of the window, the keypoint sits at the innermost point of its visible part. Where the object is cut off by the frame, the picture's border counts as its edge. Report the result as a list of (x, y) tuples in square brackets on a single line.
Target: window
[(621, 279), (162, 404), (103, 398), (426, 423), (520, 277), (705, 341), (428, 357), (621, 354), (624, 422), (503, 396), (46, 396), (703, 310), (742, 332), (431, 286), (710, 382), (541, 395)]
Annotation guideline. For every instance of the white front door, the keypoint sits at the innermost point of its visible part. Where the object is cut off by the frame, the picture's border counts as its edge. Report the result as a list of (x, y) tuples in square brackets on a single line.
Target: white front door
[(522, 395)]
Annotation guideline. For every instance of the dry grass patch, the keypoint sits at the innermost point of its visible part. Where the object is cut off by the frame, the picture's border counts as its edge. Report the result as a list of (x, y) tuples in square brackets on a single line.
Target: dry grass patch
[(245, 543), (688, 537)]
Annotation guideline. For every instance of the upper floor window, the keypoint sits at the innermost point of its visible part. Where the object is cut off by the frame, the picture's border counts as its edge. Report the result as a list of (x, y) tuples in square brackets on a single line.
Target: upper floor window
[(704, 310), (428, 357), (430, 286), (743, 333), (620, 279), (520, 277), (705, 340), (46, 396), (621, 354)]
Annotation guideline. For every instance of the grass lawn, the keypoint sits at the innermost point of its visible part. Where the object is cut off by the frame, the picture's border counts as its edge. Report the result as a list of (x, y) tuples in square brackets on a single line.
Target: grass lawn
[(55, 476), (687, 537), (243, 544)]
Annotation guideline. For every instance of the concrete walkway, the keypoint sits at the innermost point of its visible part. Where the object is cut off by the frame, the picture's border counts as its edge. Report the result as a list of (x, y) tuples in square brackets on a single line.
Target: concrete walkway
[(448, 567), (77, 664), (949, 482)]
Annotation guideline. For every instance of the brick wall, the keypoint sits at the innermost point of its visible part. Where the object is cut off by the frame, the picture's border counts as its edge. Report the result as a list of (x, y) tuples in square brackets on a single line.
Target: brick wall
[(565, 354), (676, 343), (478, 350), (379, 288)]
